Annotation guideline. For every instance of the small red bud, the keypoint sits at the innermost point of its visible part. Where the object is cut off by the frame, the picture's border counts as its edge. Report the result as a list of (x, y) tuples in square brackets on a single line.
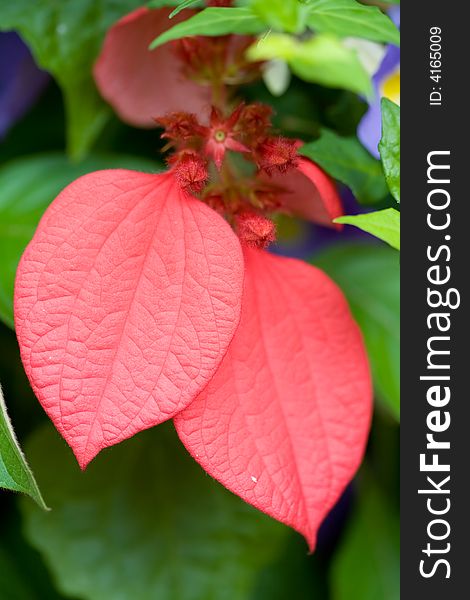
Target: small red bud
[(191, 172), (255, 120), (266, 196), (255, 230), (216, 202), (277, 153), (179, 126)]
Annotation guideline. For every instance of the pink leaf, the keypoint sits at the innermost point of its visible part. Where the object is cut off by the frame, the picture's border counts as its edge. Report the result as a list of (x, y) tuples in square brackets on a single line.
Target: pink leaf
[(126, 300), (141, 84), (309, 193), (284, 421)]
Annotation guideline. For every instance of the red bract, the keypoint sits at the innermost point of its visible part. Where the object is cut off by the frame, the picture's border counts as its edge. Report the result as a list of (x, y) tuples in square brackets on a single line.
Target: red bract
[(136, 302), (126, 303), (140, 84), (308, 192), (126, 300), (284, 420)]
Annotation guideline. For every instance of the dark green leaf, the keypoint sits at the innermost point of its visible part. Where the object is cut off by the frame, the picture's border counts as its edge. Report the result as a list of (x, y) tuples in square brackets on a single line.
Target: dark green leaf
[(294, 574), (348, 18), (27, 187), (322, 59), (178, 4), (15, 474), (384, 224), (17, 558), (389, 146), (367, 564), (369, 275), (145, 522), (65, 38), (13, 585), (346, 160), (212, 22)]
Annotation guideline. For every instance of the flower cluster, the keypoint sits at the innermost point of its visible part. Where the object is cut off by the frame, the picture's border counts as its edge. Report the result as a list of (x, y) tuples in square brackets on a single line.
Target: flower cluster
[(250, 188), (271, 177)]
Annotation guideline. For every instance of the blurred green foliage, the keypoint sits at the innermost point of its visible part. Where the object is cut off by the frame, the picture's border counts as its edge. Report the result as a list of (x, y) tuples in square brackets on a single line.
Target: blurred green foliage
[(66, 37), (140, 526), (367, 562)]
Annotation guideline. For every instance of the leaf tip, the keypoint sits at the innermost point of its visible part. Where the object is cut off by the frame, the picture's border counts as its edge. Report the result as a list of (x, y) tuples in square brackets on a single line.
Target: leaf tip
[(84, 456)]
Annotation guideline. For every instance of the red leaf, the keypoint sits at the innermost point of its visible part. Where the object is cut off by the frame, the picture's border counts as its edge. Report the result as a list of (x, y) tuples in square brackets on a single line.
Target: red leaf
[(310, 193), (141, 84), (126, 300), (284, 421)]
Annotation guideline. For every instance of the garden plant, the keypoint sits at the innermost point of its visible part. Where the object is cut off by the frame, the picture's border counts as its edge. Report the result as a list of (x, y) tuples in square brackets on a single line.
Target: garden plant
[(199, 296)]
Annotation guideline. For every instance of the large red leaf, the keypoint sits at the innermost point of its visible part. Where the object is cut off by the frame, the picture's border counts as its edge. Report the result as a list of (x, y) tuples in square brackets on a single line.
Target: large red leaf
[(126, 300), (284, 421), (141, 84)]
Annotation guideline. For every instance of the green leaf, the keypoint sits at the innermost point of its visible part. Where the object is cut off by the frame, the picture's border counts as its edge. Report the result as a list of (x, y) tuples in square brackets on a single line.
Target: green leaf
[(65, 38), (281, 15), (182, 5), (322, 59), (15, 474), (145, 522), (178, 4), (162, 3), (389, 146), (348, 18), (384, 224), (369, 275), (27, 187), (345, 159), (367, 564), (213, 22)]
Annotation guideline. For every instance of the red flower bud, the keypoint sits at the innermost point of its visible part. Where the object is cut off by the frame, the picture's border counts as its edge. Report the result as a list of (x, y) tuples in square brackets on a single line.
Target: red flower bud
[(277, 154), (255, 120), (215, 201), (255, 230), (191, 172), (179, 126)]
